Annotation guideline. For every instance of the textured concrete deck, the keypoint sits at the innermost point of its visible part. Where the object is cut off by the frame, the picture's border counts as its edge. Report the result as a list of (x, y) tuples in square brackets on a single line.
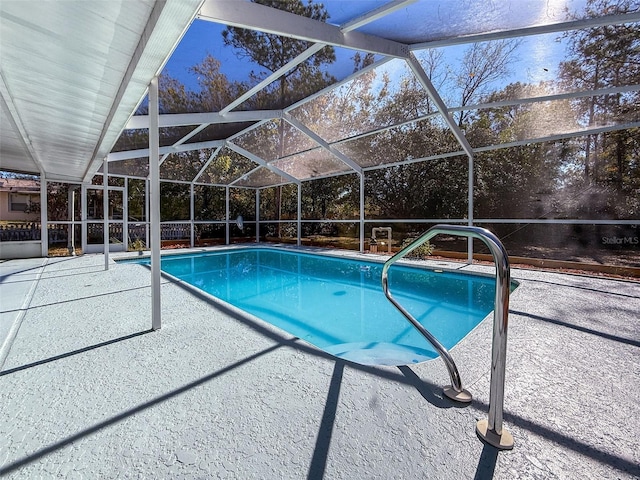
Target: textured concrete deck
[(87, 391)]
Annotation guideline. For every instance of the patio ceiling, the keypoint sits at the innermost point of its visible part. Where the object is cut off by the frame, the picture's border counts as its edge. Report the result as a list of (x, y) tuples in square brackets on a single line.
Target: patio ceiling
[(72, 73)]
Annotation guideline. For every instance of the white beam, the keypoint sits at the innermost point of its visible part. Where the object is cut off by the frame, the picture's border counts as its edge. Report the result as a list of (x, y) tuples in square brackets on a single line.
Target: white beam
[(168, 22), (192, 210), (187, 119), (299, 221), (560, 136), (144, 152), (249, 128), (335, 86), (271, 20), (206, 164), (105, 213), (545, 98), (44, 230), (124, 84), (227, 207), (350, 26), (257, 215), (362, 213), (417, 69), (260, 161), (313, 49), (191, 134), (470, 185), (442, 156), (375, 14), (548, 98), (320, 141), (245, 175), (527, 31)]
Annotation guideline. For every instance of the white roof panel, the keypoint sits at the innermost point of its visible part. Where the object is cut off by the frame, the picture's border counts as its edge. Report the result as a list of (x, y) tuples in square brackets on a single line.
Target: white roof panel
[(73, 72)]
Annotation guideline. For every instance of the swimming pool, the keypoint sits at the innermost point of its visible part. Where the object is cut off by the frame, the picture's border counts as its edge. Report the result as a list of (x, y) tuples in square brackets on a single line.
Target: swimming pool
[(337, 304)]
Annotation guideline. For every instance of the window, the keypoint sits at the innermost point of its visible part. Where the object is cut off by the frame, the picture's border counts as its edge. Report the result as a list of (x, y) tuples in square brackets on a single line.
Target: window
[(19, 202)]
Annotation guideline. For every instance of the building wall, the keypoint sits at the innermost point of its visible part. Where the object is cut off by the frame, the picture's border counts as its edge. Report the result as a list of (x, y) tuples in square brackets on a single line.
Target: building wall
[(7, 215)]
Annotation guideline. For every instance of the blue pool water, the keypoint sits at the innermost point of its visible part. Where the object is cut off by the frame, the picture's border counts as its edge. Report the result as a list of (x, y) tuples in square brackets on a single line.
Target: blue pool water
[(338, 304)]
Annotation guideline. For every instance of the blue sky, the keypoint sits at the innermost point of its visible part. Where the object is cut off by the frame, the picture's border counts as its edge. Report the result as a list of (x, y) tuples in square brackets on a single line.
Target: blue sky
[(204, 38), (537, 59)]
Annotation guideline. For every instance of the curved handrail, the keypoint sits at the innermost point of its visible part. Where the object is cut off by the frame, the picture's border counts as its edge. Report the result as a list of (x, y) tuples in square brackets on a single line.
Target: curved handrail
[(489, 430)]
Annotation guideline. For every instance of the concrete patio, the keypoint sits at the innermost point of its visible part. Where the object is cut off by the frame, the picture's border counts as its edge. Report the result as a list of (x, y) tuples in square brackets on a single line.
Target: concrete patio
[(88, 391)]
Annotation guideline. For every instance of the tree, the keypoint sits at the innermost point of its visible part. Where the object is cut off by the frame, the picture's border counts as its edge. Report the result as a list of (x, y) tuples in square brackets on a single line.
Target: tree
[(216, 91), (600, 58), (272, 52), (428, 189), (482, 65), (329, 199)]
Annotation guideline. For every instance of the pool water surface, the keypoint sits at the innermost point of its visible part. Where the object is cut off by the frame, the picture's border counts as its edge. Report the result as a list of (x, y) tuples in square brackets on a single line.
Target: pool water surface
[(337, 304)]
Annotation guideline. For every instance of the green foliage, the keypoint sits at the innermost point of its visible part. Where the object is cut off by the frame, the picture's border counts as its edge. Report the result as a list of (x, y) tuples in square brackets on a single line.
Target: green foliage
[(331, 198), (136, 200), (604, 57), (137, 245), (242, 201), (432, 189), (174, 201), (209, 202), (424, 250)]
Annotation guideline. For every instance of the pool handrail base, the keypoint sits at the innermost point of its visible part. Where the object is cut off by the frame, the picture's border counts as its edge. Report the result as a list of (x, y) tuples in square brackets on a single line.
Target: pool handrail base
[(503, 441), (463, 396)]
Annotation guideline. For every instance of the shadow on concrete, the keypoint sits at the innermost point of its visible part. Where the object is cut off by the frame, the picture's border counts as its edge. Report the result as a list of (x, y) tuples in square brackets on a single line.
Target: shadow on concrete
[(487, 463), (46, 262), (560, 323), (87, 297), (428, 390), (590, 289), (19, 272), (11, 467), (72, 353), (617, 462), (425, 388), (323, 442)]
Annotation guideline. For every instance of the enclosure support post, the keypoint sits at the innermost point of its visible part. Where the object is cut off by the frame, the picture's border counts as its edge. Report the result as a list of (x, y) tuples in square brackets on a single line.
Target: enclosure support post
[(147, 213), (299, 214), (257, 215), (154, 202), (192, 215), (71, 200), (83, 217), (44, 231), (125, 214), (227, 214), (361, 174), (105, 208), (470, 211)]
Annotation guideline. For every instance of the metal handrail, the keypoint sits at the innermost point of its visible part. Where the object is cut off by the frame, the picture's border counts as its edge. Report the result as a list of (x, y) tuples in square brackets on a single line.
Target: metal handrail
[(490, 430)]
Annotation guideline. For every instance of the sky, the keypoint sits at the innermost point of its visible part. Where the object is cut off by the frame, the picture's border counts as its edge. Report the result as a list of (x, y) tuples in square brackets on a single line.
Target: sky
[(537, 59), (205, 37)]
